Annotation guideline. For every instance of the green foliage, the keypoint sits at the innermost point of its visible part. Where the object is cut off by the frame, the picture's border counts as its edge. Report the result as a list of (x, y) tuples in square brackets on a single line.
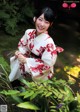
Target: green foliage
[(28, 105), (10, 92), (6, 85), (3, 15), (28, 9), (11, 26), (3, 64), (8, 17), (4, 81), (47, 96), (14, 12)]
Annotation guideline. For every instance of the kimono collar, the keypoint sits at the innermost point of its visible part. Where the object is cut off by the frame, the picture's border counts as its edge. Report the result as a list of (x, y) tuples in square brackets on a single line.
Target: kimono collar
[(46, 32)]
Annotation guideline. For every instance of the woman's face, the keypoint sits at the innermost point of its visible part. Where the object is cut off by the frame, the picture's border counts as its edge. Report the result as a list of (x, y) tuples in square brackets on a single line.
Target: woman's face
[(41, 24)]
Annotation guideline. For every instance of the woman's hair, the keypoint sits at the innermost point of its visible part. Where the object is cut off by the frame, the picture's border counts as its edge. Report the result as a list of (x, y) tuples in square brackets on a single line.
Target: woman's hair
[(48, 14)]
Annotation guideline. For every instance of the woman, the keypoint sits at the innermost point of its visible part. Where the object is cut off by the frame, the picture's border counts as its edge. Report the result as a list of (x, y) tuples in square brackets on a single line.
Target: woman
[(37, 52)]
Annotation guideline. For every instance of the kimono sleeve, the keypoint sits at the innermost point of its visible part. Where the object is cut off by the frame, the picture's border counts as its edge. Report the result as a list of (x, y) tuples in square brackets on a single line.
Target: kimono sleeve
[(22, 45), (50, 55)]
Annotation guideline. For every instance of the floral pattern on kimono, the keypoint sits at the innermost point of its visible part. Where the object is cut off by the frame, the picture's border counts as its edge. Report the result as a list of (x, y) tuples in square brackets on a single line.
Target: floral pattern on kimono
[(40, 52)]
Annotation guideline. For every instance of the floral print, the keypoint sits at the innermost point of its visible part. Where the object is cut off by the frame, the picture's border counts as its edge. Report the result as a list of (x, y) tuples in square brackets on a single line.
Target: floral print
[(40, 52)]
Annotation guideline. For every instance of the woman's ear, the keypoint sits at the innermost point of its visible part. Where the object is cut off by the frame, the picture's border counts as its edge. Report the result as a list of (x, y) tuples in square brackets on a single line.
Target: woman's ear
[(34, 19)]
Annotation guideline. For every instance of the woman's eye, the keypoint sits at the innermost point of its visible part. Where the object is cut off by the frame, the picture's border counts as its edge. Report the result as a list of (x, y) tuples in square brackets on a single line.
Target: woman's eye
[(46, 22), (40, 19)]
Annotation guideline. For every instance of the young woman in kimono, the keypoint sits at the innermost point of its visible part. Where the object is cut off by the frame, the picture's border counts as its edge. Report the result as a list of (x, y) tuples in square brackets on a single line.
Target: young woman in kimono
[(37, 52)]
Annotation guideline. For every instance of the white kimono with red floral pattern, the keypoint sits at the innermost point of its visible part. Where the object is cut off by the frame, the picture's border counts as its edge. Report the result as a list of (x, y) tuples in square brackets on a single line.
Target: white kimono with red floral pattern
[(41, 54)]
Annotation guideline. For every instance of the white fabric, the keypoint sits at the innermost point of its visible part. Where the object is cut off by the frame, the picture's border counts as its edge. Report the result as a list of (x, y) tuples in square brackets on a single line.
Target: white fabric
[(39, 45), (15, 71)]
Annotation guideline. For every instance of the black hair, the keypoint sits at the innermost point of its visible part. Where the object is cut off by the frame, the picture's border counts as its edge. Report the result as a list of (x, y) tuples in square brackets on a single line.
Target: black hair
[(48, 14)]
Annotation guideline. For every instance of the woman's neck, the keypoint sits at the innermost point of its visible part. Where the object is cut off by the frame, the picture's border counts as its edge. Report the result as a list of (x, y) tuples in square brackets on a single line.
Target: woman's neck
[(41, 33)]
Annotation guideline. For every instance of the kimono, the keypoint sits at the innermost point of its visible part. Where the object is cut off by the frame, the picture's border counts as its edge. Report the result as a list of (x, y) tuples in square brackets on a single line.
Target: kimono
[(41, 54)]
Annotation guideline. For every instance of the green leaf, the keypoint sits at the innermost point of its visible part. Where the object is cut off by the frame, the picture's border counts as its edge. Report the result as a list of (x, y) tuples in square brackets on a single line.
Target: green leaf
[(16, 98), (78, 97), (25, 82), (24, 93), (68, 95), (4, 15), (52, 107), (28, 105), (29, 94), (48, 94), (9, 92), (53, 110), (11, 22), (34, 95)]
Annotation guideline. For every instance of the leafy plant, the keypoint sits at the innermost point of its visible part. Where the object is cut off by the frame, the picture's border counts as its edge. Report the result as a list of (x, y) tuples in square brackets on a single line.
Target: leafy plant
[(8, 17), (3, 64), (48, 96), (6, 85), (12, 13)]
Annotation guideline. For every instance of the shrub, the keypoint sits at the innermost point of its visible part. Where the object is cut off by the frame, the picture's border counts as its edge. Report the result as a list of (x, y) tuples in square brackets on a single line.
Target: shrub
[(14, 12), (48, 96)]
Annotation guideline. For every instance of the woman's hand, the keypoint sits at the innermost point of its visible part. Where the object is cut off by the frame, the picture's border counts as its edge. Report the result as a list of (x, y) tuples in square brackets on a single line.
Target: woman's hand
[(17, 53), (20, 57)]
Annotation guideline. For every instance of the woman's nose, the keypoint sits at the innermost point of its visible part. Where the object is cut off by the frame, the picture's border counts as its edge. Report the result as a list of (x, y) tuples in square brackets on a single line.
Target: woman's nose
[(42, 23)]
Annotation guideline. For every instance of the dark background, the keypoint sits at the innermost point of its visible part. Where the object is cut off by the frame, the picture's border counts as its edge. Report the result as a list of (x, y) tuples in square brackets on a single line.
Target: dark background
[(66, 28)]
